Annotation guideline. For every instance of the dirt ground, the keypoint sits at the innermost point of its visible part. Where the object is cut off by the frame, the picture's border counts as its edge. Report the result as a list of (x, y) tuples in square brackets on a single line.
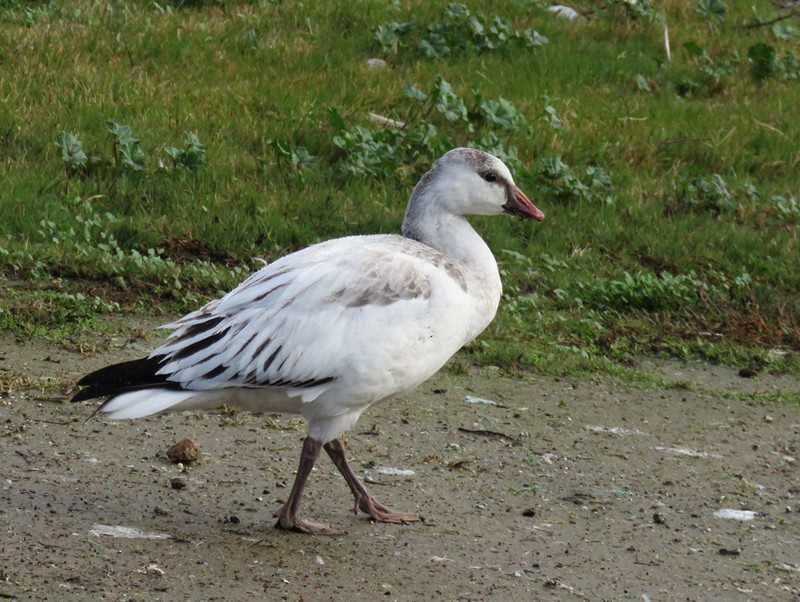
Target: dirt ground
[(561, 489)]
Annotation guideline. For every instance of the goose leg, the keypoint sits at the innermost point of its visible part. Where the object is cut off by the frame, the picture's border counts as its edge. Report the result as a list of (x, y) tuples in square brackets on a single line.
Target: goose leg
[(365, 501), (287, 516)]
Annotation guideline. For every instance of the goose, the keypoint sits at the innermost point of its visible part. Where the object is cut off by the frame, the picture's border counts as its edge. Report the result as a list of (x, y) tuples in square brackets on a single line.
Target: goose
[(331, 329)]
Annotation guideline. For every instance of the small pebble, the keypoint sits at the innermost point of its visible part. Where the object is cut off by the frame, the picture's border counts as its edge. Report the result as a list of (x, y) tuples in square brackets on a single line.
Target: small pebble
[(729, 551), (177, 483), (769, 419), (162, 510), (529, 512), (233, 520), (659, 518), (748, 372), (184, 451)]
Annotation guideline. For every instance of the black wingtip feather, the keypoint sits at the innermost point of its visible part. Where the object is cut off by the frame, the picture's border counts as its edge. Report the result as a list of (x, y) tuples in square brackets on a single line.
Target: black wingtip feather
[(122, 377)]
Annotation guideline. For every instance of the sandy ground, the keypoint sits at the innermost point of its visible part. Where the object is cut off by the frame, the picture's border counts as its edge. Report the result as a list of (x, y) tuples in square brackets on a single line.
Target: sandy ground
[(561, 489)]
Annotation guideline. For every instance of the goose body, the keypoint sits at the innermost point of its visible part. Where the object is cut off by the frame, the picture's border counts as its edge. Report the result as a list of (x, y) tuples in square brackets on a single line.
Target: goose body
[(329, 330)]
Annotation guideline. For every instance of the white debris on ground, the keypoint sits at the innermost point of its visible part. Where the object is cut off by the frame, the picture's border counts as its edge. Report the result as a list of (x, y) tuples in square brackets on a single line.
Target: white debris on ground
[(480, 400), (736, 514), (388, 470), (683, 451), (125, 532)]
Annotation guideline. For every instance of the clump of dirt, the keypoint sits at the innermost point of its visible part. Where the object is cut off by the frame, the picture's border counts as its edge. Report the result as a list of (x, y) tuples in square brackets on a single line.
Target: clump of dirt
[(184, 451), (531, 488)]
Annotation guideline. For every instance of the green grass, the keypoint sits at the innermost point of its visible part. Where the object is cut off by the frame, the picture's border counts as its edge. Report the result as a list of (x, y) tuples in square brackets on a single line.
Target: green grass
[(243, 143), (53, 315)]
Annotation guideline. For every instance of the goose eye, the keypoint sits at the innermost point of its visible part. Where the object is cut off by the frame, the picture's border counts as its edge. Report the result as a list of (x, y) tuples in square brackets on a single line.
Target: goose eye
[(490, 176)]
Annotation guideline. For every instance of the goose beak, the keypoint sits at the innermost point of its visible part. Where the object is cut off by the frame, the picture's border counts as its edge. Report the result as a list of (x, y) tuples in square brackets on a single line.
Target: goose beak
[(519, 204)]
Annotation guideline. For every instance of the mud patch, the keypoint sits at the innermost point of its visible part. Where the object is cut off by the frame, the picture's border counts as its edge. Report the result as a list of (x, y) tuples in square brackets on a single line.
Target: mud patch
[(561, 489)]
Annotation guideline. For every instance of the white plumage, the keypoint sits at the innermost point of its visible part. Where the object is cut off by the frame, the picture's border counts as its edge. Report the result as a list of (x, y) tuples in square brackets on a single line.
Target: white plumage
[(336, 327)]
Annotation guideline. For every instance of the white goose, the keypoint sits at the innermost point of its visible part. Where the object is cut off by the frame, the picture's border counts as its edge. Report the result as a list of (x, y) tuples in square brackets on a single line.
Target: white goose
[(336, 327)]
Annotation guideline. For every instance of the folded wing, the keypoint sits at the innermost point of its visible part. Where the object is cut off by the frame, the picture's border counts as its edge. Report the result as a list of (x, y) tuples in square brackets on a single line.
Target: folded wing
[(289, 324)]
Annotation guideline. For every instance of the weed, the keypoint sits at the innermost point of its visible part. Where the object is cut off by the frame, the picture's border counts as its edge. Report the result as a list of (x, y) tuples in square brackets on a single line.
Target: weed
[(447, 102), (713, 10), (72, 153), (191, 157), (785, 32), (388, 36), (593, 186), (551, 115), (642, 84), (715, 71), (498, 112), (645, 291), (390, 151), (789, 66), (707, 194), (788, 208), (457, 31), (765, 63), (127, 151)]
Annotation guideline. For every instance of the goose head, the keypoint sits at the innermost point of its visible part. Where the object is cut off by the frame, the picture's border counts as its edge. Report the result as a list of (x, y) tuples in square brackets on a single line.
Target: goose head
[(467, 181)]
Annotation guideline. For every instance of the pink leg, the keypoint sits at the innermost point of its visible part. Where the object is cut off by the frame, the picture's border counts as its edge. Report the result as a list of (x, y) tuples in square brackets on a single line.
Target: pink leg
[(287, 516), (365, 501)]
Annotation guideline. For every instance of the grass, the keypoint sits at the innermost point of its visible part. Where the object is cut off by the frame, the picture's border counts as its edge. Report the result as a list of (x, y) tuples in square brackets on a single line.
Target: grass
[(150, 150)]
